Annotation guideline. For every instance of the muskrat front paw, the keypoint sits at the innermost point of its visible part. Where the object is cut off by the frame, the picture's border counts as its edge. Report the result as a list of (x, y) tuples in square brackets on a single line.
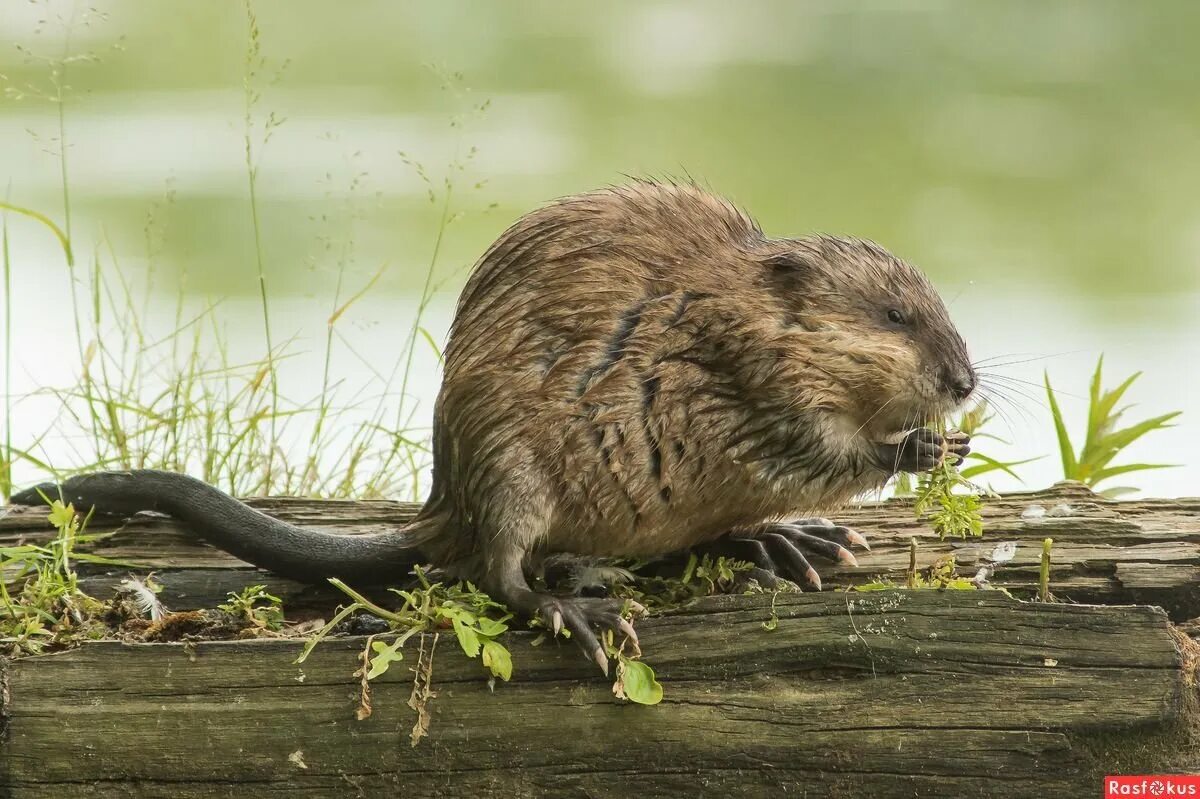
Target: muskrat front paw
[(924, 449), (781, 549), (582, 616)]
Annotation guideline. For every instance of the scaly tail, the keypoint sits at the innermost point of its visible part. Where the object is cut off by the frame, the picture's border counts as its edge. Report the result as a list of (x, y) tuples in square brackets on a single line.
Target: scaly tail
[(231, 525)]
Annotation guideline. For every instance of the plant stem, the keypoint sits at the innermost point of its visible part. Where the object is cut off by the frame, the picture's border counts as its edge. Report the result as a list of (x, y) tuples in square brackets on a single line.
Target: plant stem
[(912, 562), (425, 290), (6, 478), (252, 181), (363, 601), (1044, 576)]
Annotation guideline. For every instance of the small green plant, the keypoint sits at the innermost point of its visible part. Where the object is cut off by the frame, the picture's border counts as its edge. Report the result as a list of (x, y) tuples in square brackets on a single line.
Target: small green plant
[(702, 575), (472, 615), (772, 623), (942, 575), (957, 513), (713, 575), (1103, 441), (476, 620), (41, 604), (255, 606)]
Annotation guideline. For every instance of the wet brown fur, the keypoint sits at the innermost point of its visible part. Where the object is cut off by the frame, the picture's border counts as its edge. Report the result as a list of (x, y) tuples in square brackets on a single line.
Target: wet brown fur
[(639, 369)]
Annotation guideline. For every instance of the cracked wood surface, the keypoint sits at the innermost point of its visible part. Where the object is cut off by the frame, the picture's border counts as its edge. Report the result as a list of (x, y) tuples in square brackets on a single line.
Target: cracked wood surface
[(882, 694), (1105, 552)]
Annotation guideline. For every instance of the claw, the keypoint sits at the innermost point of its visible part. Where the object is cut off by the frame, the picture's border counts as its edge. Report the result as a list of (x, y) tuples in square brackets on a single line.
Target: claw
[(556, 623), (847, 557), (635, 606), (814, 578), (601, 659), (858, 539)]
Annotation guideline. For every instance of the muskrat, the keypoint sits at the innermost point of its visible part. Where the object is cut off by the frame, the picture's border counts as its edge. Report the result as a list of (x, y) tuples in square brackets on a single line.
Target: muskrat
[(630, 372)]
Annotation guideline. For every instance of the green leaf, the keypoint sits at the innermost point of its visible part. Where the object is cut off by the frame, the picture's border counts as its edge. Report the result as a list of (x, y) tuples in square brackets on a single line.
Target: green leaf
[(497, 658), (1111, 444), (1102, 411), (1118, 491), (1070, 467), (636, 682), (386, 655), (490, 627), (468, 639), (1094, 420), (1113, 471), (61, 515)]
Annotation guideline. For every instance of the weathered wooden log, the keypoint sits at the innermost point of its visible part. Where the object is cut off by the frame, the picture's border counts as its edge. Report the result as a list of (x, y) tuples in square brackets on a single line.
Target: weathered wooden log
[(1105, 552), (881, 694)]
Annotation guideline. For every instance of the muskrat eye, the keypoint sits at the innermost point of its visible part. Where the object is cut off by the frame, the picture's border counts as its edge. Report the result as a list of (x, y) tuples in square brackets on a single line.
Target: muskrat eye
[(896, 317)]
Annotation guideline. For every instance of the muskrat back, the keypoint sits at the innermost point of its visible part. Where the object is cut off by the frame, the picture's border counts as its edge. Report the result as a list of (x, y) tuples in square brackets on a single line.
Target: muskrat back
[(641, 369)]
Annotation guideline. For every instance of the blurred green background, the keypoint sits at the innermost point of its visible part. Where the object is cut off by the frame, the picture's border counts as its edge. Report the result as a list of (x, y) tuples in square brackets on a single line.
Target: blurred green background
[(1039, 159)]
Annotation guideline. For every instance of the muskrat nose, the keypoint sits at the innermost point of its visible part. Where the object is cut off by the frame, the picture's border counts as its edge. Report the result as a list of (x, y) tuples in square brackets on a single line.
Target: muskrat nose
[(961, 383)]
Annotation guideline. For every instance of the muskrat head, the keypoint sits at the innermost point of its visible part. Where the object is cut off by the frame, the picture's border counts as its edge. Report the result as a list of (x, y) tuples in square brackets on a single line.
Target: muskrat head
[(882, 331)]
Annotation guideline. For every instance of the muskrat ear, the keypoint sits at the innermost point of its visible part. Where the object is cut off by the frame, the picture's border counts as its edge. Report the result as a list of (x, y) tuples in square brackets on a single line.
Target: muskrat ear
[(791, 270), (788, 260)]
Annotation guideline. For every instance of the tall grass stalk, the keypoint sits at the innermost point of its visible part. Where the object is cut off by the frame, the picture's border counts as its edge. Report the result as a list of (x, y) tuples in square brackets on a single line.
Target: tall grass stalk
[(402, 447), (254, 64), (6, 455)]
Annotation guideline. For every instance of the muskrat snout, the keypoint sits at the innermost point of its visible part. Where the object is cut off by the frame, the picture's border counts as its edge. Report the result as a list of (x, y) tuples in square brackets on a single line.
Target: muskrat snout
[(960, 382)]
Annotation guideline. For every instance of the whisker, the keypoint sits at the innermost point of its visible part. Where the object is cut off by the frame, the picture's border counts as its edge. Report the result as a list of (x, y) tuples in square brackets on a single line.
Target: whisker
[(896, 461), (1032, 383), (1000, 400), (877, 412), (1013, 392), (983, 361), (989, 362), (999, 410)]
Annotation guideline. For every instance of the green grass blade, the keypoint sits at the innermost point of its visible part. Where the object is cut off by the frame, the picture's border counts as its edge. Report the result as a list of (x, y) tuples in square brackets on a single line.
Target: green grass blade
[(1111, 444), (62, 237), (433, 345), (1104, 474), (988, 464), (1066, 451), (1094, 399), (1105, 419)]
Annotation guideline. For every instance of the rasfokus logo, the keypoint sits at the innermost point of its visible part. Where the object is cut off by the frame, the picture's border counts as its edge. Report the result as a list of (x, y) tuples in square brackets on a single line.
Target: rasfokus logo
[(1152, 785)]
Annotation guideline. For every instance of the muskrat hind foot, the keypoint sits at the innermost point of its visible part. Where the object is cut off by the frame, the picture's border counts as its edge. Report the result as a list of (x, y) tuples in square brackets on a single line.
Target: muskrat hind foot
[(581, 615), (778, 549), (924, 449)]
